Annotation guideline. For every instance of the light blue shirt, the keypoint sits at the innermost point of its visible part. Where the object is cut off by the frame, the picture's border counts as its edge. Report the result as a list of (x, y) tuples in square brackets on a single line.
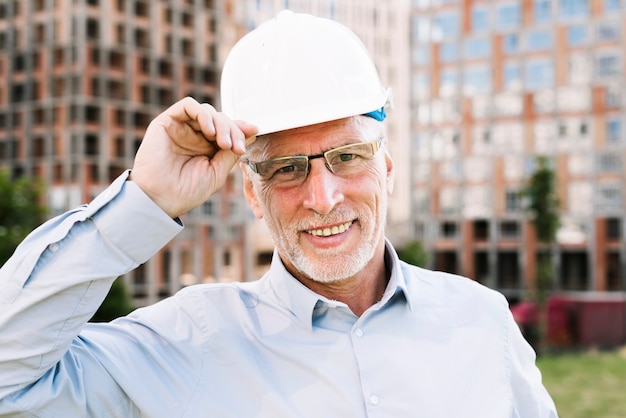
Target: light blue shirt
[(435, 345)]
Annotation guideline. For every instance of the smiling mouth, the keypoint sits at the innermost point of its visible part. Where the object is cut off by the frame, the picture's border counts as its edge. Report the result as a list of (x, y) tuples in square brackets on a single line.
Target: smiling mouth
[(327, 232)]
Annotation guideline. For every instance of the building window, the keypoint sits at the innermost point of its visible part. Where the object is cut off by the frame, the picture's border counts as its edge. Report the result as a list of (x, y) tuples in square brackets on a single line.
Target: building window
[(93, 29), (512, 76), (612, 96), (608, 198), (608, 64), (614, 131), (513, 201), (449, 82), (449, 51), (477, 48), (508, 16), (577, 35), (446, 25), (539, 40), (421, 54), (614, 229), (612, 5), (573, 8), (608, 31), (510, 44), (480, 18), (539, 73), (448, 229), (608, 163), (91, 145), (264, 258), (477, 79), (542, 10), (141, 8), (481, 230)]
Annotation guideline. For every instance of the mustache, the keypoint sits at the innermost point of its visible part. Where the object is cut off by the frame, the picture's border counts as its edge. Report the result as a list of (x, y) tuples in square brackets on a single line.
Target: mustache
[(317, 220)]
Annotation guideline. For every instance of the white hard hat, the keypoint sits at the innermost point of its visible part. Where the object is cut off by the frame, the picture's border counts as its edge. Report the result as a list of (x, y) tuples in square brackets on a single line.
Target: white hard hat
[(298, 70)]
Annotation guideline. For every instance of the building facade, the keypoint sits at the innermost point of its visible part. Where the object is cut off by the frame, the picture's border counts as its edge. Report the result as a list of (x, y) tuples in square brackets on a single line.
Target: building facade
[(496, 84), (82, 80)]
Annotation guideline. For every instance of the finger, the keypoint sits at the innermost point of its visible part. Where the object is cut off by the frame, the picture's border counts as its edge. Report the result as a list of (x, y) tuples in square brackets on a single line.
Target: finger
[(249, 132), (198, 116)]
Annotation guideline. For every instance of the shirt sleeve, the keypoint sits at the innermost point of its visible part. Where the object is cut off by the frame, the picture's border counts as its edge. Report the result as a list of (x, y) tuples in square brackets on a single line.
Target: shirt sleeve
[(530, 397), (61, 273)]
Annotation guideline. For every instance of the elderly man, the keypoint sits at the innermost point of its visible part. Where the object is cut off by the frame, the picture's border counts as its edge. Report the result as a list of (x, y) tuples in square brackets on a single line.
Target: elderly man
[(338, 327)]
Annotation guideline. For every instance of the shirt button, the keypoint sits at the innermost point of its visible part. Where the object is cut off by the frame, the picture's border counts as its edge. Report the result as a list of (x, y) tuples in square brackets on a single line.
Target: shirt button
[(374, 400), (358, 332), (54, 247)]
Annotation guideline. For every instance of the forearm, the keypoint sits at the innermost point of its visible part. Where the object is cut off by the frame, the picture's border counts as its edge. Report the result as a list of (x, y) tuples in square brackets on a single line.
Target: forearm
[(61, 273)]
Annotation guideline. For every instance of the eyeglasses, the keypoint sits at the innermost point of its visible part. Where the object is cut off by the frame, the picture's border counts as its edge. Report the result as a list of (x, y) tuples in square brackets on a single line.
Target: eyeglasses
[(343, 161)]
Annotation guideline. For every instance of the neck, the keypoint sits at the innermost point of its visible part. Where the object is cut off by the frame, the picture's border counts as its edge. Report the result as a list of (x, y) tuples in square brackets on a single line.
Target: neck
[(359, 292)]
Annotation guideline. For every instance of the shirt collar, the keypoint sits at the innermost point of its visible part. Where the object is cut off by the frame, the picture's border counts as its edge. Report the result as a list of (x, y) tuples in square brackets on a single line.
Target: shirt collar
[(301, 300)]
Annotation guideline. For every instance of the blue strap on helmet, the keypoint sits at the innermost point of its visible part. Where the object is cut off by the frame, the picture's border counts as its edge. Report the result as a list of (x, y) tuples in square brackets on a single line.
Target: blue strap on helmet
[(379, 114)]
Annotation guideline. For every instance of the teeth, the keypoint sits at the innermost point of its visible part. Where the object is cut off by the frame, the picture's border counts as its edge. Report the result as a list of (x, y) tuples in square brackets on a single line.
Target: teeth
[(326, 232)]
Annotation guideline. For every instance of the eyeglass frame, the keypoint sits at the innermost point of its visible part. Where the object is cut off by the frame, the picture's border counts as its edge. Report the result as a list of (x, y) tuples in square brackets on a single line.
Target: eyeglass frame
[(375, 144)]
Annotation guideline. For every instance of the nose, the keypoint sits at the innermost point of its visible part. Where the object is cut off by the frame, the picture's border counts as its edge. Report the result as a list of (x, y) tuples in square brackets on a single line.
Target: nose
[(322, 188)]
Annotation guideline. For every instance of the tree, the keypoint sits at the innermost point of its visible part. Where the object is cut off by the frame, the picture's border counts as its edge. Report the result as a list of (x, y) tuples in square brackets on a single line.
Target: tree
[(543, 206), (414, 253), (21, 211)]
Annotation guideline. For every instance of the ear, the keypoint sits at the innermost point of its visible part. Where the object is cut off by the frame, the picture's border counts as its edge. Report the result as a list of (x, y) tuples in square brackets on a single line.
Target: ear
[(248, 191), (390, 172)]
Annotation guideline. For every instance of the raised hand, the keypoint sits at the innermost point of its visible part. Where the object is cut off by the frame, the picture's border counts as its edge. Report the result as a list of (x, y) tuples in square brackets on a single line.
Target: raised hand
[(187, 153)]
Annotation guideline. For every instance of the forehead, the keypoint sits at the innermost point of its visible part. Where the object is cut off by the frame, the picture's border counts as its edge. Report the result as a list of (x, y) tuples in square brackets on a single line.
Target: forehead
[(314, 139)]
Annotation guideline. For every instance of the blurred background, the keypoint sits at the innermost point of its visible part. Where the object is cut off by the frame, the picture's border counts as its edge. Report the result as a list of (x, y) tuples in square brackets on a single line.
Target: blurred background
[(507, 131)]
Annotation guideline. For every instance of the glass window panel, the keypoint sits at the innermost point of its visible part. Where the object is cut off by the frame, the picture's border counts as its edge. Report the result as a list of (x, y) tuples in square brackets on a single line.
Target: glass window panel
[(608, 31), (508, 16), (480, 18), (539, 73), (577, 35), (608, 198), (512, 76), (421, 85), (608, 64), (477, 79), (446, 25), (421, 54), (449, 52), (421, 29), (612, 5), (449, 82), (539, 40), (542, 10), (608, 163), (614, 131), (573, 8), (510, 44), (476, 48)]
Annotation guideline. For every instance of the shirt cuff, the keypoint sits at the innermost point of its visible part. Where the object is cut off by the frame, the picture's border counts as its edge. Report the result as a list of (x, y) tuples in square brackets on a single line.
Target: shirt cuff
[(135, 224)]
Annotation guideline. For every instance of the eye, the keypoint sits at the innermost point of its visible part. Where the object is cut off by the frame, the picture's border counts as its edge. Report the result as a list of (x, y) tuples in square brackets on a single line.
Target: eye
[(346, 157), (286, 169)]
